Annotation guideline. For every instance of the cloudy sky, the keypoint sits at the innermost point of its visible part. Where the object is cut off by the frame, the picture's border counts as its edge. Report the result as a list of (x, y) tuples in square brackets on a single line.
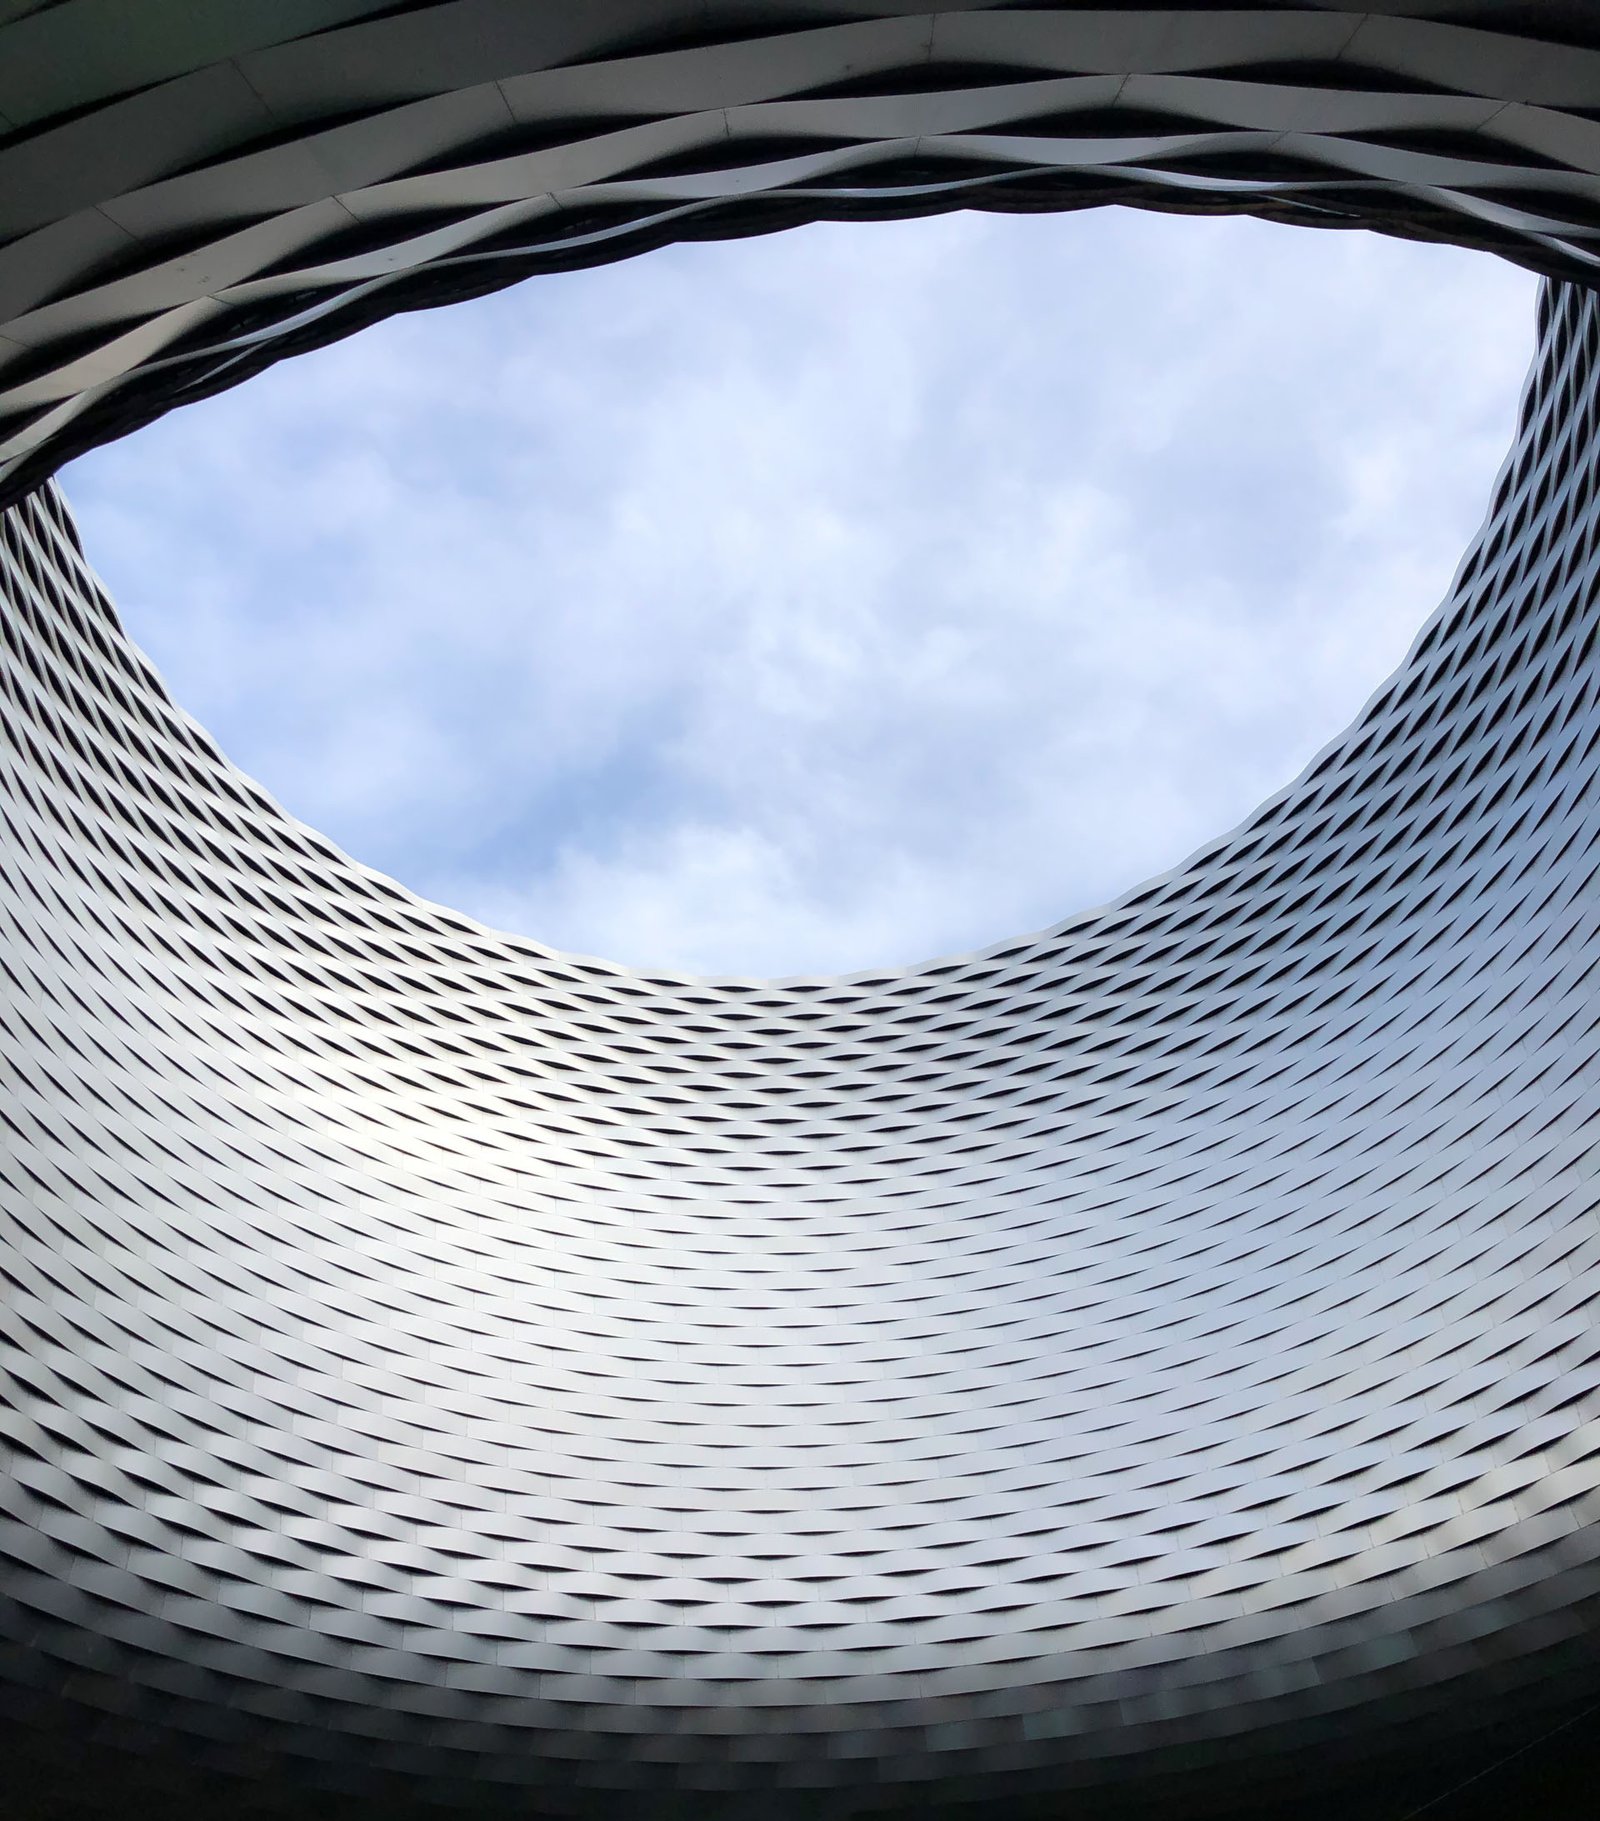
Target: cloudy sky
[(829, 600)]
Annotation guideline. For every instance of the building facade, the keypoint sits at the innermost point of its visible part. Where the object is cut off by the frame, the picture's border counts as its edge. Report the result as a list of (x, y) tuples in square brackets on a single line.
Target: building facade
[(1146, 1367)]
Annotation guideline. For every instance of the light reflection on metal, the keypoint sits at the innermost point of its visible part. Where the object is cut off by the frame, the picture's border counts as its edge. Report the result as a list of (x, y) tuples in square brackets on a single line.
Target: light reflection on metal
[(1142, 1359)]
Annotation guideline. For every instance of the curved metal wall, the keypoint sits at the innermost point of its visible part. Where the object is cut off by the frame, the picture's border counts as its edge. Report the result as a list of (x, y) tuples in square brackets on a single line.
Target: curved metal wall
[(188, 194), (1130, 1366)]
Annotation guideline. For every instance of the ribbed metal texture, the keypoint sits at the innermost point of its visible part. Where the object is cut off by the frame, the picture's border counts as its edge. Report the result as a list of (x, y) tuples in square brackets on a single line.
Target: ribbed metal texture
[(1150, 1365)]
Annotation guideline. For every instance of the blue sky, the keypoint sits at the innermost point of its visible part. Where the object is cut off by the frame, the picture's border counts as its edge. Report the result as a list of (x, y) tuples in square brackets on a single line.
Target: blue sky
[(830, 600)]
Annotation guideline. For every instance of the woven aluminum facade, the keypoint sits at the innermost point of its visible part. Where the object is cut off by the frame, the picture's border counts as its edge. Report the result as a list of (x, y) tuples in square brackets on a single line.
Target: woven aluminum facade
[(1145, 1368), (187, 194)]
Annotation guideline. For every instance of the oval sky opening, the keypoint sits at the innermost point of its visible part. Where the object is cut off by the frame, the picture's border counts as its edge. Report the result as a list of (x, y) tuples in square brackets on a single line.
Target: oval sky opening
[(828, 600)]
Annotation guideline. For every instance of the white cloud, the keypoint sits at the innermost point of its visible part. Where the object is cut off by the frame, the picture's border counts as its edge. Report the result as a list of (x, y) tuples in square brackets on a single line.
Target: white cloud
[(827, 600)]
